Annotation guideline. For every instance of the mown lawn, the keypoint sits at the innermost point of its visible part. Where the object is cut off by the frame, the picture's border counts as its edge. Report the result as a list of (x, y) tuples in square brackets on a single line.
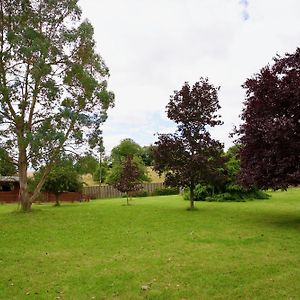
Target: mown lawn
[(104, 250)]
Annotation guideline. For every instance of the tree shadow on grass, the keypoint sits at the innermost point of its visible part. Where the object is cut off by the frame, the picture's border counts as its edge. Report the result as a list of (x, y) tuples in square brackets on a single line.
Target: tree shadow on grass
[(278, 219)]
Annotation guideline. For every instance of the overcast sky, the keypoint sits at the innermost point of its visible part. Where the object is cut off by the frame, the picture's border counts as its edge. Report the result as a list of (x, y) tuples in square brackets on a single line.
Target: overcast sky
[(153, 46)]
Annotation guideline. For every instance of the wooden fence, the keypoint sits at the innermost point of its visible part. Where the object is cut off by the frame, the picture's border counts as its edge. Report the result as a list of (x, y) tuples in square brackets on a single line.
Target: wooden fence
[(13, 197), (91, 192), (107, 191)]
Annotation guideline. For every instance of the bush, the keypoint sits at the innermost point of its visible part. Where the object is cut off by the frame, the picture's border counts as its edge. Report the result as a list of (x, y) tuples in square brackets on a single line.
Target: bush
[(239, 197), (202, 191), (140, 194), (166, 191), (186, 194), (234, 193)]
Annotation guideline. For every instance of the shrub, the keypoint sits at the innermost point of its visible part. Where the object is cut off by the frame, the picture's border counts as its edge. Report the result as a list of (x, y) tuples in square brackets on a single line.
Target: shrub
[(238, 197), (166, 191), (140, 194), (202, 191)]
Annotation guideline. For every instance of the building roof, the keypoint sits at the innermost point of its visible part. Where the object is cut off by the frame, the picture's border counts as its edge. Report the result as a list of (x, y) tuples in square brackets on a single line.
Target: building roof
[(9, 179)]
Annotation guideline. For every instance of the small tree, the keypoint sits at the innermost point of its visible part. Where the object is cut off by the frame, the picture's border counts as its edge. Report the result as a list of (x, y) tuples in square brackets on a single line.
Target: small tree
[(62, 178), (270, 134), (128, 175), (191, 156)]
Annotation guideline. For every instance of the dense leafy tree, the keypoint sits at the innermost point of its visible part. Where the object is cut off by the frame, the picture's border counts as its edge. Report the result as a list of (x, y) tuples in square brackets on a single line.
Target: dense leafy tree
[(52, 84), (270, 133), (7, 167), (104, 168), (232, 164), (125, 148), (63, 177), (147, 155), (86, 164), (128, 175), (190, 156)]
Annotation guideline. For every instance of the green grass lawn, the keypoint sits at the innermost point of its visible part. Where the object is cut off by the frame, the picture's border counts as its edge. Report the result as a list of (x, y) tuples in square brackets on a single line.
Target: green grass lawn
[(104, 250)]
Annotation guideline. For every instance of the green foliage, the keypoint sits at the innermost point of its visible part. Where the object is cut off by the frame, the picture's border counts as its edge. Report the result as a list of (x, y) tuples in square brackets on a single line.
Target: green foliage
[(104, 172), (239, 197), (147, 155), (231, 193), (140, 194), (202, 191), (125, 148), (86, 165), (7, 168), (128, 169), (53, 88), (62, 178), (232, 163), (119, 172), (166, 191)]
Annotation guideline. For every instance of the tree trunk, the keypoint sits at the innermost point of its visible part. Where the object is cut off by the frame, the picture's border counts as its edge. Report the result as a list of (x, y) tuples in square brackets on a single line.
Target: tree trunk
[(127, 198), (57, 200), (24, 196), (39, 186), (192, 197)]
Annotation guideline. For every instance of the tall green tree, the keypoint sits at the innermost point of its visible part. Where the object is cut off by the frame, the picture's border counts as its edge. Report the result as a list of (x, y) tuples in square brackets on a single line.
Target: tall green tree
[(53, 90), (7, 166), (125, 148)]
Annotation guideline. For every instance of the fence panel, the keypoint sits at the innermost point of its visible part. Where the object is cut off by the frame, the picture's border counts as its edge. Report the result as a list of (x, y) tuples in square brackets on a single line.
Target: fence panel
[(107, 191)]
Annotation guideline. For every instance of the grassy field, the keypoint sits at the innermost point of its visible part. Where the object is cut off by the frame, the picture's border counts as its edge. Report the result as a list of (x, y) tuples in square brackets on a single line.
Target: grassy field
[(104, 250)]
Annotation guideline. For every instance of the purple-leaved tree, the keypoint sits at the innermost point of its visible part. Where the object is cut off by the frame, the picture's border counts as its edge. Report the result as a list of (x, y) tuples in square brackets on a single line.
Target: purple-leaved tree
[(191, 156), (270, 133)]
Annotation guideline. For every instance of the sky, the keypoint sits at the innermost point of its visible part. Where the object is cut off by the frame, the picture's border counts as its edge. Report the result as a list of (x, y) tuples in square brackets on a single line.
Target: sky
[(153, 46)]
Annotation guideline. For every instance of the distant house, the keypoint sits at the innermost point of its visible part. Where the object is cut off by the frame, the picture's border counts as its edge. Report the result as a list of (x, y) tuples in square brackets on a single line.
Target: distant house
[(9, 189)]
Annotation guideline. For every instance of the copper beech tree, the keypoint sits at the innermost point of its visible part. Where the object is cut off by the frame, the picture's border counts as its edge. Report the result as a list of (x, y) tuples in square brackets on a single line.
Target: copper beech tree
[(53, 91), (270, 134), (128, 174), (191, 156)]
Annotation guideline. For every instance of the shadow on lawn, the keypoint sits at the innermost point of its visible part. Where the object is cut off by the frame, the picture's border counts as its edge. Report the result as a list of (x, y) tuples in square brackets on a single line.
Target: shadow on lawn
[(278, 219)]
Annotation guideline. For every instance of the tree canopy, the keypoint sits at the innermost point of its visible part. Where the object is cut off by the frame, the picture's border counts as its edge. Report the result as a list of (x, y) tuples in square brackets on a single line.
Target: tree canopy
[(125, 148), (86, 164), (62, 178), (53, 89), (270, 133), (191, 156), (7, 167)]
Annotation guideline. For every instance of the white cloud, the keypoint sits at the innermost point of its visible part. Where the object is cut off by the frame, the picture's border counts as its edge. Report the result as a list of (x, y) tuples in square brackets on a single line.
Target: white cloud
[(152, 47)]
